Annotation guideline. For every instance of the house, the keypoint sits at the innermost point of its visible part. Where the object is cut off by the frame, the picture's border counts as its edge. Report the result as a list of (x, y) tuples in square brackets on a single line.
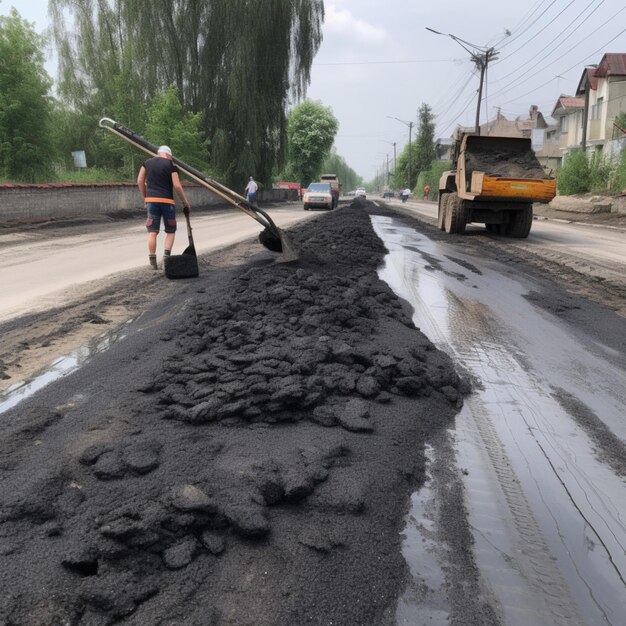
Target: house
[(603, 90), (536, 127), (568, 113)]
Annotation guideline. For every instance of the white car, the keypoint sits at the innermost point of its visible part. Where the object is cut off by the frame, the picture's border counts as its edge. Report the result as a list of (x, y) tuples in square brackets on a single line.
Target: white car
[(318, 196), (360, 193)]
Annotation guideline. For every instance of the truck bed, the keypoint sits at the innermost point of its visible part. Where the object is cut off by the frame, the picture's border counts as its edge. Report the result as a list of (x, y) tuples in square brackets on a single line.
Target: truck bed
[(502, 157)]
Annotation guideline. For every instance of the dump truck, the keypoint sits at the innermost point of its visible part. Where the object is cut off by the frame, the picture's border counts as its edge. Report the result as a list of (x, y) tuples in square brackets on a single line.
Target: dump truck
[(495, 181), (335, 186)]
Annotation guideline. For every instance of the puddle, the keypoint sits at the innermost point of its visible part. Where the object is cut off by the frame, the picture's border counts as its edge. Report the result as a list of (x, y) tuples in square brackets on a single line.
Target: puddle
[(61, 367), (426, 598), (547, 516)]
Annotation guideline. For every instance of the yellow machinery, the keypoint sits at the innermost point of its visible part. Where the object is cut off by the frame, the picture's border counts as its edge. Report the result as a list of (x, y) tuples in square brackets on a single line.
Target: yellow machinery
[(496, 180)]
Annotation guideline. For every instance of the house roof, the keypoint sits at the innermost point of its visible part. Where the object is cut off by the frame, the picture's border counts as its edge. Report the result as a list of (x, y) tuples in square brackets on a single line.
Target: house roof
[(568, 102), (612, 64), (588, 78)]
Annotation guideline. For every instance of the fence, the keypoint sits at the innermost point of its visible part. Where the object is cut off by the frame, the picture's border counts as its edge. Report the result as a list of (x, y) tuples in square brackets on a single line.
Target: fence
[(31, 203)]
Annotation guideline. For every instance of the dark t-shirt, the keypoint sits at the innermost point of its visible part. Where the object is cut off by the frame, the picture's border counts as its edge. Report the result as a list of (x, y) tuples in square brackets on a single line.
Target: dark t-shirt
[(159, 177)]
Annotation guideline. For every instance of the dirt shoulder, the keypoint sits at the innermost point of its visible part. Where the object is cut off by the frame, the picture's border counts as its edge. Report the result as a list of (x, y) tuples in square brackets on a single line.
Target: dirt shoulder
[(601, 219)]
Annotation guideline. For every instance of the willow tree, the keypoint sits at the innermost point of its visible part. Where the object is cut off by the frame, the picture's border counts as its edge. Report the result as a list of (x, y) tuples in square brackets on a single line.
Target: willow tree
[(237, 62)]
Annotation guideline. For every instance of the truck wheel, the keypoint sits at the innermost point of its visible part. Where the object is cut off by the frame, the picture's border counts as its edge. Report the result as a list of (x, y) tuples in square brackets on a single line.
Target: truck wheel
[(441, 210), (456, 214), (520, 223)]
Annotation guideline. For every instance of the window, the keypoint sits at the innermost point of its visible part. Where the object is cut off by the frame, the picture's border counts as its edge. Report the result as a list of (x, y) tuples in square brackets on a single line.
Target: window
[(563, 124), (596, 109)]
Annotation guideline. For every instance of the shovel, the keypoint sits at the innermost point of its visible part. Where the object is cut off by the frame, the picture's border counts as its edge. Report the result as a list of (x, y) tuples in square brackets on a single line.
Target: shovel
[(183, 265)]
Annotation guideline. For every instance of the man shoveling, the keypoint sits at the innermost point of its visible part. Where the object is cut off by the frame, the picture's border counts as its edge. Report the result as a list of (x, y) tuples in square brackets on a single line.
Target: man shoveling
[(157, 181)]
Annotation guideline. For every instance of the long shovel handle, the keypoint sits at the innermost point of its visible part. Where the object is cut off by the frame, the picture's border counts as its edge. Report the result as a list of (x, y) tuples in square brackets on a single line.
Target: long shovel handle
[(186, 212)]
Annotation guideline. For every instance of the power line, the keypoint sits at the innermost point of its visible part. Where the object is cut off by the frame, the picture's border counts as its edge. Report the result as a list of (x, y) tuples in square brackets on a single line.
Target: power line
[(530, 12), (556, 38), (457, 95), (516, 82), (457, 116), (510, 41), (575, 64), (408, 61), (446, 96), (537, 33)]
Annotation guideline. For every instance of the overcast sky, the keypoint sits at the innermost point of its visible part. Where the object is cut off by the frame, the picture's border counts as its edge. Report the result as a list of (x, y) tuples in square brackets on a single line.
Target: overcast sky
[(378, 60)]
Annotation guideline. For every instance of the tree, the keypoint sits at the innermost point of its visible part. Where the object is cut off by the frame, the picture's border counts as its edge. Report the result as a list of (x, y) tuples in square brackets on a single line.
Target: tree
[(425, 142), (336, 164), (311, 132), (168, 123), (422, 150), (25, 106), (237, 62)]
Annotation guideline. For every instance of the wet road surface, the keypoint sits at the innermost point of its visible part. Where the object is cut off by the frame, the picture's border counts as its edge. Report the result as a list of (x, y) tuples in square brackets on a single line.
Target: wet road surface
[(575, 244), (539, 442)]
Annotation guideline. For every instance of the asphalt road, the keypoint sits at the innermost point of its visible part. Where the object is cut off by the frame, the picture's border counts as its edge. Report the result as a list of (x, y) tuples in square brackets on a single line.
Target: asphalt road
[(36, 269), (598, 245), (521, 517), (540, 441)]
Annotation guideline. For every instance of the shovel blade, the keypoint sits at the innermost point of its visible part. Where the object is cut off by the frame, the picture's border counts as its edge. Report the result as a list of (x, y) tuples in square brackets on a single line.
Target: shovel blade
[(182, 266)]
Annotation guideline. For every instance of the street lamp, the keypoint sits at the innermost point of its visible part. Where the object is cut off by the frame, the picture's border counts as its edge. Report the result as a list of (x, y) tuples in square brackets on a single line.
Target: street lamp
[(410, 125), (481, 61)]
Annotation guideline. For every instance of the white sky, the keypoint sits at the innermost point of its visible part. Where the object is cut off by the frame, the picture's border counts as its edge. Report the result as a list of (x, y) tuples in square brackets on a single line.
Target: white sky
[(377, 60)]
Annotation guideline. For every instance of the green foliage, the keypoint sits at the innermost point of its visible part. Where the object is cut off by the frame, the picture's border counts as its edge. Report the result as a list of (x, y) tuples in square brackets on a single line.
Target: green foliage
[(421, 151), (400, 176), (620, 120), (91, 175), (237, 62), (618, 183), (425, 142), (336, 164), (601, 171), (25, 107), (574, 176), (169, 124), (311, 132), (431, 177)]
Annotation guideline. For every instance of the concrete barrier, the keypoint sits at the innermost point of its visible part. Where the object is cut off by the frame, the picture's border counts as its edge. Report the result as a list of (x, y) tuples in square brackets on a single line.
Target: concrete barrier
[(32, 203)]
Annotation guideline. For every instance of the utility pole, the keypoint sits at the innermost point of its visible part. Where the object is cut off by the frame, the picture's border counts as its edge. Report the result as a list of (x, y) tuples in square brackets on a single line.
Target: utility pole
[(392, 143), (410, 125), (481, 60)]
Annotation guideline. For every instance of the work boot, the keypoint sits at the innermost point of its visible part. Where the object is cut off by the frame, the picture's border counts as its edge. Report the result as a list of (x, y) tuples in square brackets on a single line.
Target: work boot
[(153, 262)]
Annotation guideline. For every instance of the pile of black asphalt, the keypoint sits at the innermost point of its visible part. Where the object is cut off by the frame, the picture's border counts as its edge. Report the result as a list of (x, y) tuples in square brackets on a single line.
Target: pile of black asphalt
[(245, 456)]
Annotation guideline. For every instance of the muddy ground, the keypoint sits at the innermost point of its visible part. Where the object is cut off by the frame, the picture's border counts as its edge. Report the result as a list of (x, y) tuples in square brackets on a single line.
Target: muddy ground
[(245, 454)]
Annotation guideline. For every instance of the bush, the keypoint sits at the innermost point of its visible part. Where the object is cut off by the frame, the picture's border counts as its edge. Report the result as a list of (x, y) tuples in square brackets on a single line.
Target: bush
[(618, 183), (601, 171), (431, 177), (574, 176), (91, 175)]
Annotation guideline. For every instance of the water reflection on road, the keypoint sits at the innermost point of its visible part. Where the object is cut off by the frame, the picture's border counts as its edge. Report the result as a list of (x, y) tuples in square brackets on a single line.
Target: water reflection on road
[(62, 367), (548, 517)]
